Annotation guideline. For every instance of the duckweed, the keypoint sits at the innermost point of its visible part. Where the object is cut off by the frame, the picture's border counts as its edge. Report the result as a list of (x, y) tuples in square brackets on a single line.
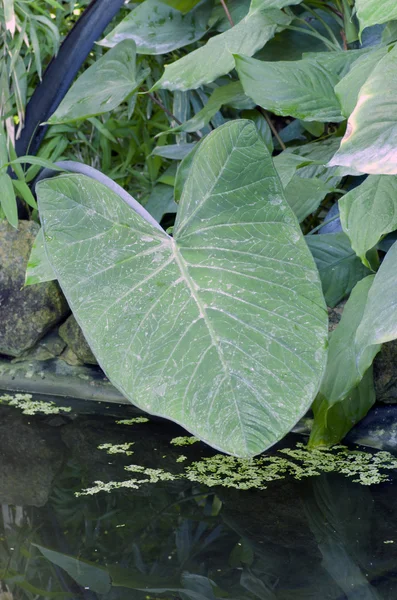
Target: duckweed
[(118, 448), (133, 421), (31, 407), (185, 440), (244, 474)]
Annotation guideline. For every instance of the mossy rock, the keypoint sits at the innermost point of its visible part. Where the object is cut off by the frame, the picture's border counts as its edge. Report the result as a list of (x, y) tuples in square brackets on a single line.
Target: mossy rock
[(27, 313), (73, 336)]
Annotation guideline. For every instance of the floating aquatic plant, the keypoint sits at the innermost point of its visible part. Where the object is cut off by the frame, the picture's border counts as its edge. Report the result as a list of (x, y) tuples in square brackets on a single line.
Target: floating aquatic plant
[(118, 448), (244, 474), (32, 407), (133, 421), (185, 440)]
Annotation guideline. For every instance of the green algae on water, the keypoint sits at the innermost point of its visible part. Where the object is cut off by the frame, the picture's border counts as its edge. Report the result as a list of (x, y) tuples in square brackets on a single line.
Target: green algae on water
[(118, 448), (133, 421), (32, 407), (245, 474), (185, 440)]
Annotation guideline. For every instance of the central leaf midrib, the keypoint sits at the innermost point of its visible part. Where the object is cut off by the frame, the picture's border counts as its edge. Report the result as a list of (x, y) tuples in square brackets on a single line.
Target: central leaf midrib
[(203, 314)]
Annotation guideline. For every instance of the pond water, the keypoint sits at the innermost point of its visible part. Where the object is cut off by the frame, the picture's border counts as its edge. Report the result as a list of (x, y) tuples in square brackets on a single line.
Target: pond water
[(320, 537)]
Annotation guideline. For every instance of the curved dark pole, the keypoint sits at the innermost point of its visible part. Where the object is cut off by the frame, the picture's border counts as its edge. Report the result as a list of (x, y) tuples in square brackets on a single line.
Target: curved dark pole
[(61, 71)]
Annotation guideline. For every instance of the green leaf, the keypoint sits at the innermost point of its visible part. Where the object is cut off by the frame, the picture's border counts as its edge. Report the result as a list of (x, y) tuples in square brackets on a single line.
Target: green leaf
[(287, 164), (373, 12), (182, 5), (370, 142), (379, 322), (183, 172), (221, 328), (333, 422), (344, 373), (102, 87), (302, 89), (339, 267), (348, 88), (3, 147), (157, 28), (8, 201), (86, 574), (9, 16), (23, 190), (318, 153), (305, 195), (368, 212), (209, 62), (173, 151), (230, 94), (161, 201), (39, 269)]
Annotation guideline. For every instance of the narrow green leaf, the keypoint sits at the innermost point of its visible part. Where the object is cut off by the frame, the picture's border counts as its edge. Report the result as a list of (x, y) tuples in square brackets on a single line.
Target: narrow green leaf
[(161, 201), (173, 151), (9, 16), (208, 328), (302, 89), (8, 201), (102, 87), (348, 88), (339, 267), (368, 212), (157, 28), (182, 5), (374, 12), (86, 574), (39, 269), (370, 142), (230, 94), (206, 64), (379, 322), (23, 190), (3, 147)]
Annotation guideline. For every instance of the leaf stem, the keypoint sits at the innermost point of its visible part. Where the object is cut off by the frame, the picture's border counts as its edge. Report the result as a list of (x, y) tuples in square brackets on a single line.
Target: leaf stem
[(169, 113), (229, 16), (323, 224), (272, 127)]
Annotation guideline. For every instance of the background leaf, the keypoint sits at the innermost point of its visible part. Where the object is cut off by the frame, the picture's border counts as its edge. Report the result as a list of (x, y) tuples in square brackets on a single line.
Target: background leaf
[(39, 268), (102, 87), (343, 375), (368, 212), (206, 64), (339, 266), (302, 89), (370, 142), (158, 28), (373, 12), (219, 340)]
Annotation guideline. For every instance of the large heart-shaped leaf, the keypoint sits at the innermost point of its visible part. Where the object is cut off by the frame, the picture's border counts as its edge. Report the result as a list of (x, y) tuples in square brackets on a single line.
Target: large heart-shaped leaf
[(221, 328), (368, 212), (209, 62), (157, 28), (370, 142), (102, 87)]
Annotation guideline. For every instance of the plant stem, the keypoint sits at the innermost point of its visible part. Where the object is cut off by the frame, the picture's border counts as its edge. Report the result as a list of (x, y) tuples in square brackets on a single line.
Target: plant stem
[(324, 23), (170, 114), (334, 218), (229, 16), (313, 33), (272, 127)]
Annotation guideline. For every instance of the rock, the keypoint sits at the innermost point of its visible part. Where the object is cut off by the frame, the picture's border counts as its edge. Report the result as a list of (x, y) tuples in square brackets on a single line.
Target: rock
[(73, 336), (51, 346), (385, 373), (27, 313)]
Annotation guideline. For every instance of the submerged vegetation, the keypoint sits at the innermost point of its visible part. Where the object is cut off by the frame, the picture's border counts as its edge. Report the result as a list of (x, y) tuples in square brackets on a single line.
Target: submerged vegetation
[(259, 141)]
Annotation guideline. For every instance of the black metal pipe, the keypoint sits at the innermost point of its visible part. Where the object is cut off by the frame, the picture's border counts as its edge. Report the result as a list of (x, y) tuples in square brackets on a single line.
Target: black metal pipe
[(61, 71)]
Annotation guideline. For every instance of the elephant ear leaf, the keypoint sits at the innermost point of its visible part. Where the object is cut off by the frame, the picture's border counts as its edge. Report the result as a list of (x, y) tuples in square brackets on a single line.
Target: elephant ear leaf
[(221, 328)]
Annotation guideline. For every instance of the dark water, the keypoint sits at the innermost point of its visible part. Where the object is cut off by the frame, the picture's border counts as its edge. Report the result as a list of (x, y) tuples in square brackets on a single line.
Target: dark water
[(317, 539)]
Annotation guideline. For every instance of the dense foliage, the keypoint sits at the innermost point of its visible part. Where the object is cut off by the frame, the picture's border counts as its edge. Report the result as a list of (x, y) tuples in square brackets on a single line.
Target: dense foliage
[(268, 127)]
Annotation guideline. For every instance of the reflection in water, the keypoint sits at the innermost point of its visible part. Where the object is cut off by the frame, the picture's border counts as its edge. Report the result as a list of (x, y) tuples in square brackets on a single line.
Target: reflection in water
[(319, 538)]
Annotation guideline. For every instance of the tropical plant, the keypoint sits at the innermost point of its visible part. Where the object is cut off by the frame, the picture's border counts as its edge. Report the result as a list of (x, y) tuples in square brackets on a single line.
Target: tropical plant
[(271, 117)]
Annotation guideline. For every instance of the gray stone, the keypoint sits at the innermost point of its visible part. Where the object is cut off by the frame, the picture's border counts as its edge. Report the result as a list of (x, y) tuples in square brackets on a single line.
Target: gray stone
[(27, 313), (73, 336)]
